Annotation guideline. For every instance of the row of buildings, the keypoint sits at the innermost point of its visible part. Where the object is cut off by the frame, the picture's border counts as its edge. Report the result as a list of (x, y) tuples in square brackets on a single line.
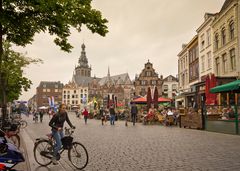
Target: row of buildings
[(214, 51), (83, 88)]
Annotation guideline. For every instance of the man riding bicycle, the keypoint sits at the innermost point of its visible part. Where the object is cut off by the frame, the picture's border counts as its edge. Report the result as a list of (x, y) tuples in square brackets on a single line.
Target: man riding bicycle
[(57, 123)]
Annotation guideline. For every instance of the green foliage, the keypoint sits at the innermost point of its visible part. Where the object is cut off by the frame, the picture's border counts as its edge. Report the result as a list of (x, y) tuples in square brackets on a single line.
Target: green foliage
[(21, 19), (12, 69)]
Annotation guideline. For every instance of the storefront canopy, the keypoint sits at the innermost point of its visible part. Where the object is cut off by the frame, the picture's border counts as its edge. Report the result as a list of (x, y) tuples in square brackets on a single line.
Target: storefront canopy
[(144, 100), (229, 87)]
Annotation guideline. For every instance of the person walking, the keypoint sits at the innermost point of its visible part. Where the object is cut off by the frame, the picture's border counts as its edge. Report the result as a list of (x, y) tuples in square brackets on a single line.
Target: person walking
[(126, 113), (112, 115), (85, 113), (102, 115), (56, 123), (134, 112), (41, 115)]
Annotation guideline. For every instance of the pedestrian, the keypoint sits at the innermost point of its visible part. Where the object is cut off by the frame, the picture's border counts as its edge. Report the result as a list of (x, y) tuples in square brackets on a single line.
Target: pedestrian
[(112, 115), (126, 113), (134, 112), (41, 115), (85, 114), (102, 115)]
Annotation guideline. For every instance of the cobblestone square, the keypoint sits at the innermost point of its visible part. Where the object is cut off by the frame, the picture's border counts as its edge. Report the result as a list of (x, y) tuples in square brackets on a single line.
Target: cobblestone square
[(150, 147)]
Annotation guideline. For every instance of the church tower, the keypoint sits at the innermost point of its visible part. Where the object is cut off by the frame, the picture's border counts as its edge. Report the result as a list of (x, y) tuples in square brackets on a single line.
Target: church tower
[(83, 69)]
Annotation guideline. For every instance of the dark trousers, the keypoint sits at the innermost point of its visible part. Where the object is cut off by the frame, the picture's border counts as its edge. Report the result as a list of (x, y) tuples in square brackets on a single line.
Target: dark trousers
[(85, 119), (134, 117)]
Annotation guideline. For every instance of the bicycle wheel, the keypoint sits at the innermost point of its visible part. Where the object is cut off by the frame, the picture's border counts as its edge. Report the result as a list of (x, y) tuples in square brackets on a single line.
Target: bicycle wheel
[(78, 155), (43, 152), (23, 124), (15, 139)]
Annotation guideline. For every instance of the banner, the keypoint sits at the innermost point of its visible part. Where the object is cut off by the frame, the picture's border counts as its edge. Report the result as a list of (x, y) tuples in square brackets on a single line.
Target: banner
[(52, 101), (49, 101)]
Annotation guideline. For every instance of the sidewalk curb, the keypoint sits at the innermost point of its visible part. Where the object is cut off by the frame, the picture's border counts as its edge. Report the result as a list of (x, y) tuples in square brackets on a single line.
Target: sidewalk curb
[(28, 147)]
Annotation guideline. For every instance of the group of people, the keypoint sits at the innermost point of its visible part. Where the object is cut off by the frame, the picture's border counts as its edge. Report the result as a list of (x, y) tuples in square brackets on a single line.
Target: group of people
[(112, 114), (162, 115)]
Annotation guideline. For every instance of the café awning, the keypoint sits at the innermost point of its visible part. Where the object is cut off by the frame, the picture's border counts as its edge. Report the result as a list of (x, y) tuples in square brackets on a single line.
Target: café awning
[(229, 87)]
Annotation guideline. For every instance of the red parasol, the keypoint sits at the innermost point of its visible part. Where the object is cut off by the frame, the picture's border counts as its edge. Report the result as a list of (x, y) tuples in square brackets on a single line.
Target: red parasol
[(149, 98), (207, 88)]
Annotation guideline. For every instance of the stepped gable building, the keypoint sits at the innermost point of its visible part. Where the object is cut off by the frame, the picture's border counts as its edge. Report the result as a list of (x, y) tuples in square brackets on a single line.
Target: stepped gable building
[(46, 90), (147, 78)]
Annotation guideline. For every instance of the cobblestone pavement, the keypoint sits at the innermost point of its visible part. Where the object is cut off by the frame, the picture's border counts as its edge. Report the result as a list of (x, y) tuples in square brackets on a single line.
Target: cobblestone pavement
[(147, 148)]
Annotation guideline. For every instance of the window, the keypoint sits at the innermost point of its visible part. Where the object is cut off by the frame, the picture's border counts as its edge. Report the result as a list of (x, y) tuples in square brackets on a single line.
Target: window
[(76, 96), (76, 102), (72, 96), (72, 101), (44, 85), (48, 90), (233, 59), (216, 41), (217, 66), (169, 78), (56, 86), (143, 82), (224, 59), (44, 90), (174, 87), (209, 60), (202, 41), (68, 92), (68, 96), (165, 87), (203, 63), (223, 36), (183, 80), (208, 37), (148, 74), (231, 29), (64, 96), (56, 90), (74, 91), (81, 90), (153, 82), (64, 92), (81, 95)]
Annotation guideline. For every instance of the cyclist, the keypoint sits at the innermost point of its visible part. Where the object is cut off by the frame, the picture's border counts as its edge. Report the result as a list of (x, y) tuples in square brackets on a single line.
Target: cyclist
[(57, 123)]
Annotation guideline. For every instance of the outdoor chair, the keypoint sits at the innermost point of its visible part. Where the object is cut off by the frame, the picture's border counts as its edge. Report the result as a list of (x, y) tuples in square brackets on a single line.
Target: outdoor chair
[(170, 120)]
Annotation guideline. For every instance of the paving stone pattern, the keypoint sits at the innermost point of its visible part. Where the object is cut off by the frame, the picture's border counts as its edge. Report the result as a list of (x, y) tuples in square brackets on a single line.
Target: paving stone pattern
[(146, 147)]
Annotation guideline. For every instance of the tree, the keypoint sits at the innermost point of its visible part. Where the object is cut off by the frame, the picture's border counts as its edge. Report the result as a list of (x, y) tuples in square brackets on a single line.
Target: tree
[(12, 69), (20, 20)]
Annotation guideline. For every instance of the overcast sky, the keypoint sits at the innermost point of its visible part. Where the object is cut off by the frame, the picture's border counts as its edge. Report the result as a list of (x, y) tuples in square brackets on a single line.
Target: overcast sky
[(138, 30)]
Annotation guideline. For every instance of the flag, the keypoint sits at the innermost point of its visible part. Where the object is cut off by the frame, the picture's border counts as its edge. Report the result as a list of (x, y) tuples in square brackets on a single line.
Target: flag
[(53, 101), (49, 101)]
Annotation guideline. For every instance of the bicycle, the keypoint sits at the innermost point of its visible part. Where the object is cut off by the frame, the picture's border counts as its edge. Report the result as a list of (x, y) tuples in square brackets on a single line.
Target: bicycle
[(43, 150), (11, 133)]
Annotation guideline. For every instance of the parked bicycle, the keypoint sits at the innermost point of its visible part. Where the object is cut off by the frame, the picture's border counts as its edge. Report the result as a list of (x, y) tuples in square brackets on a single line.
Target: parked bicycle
[(77, 153), (10, 155), (11, 131)]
